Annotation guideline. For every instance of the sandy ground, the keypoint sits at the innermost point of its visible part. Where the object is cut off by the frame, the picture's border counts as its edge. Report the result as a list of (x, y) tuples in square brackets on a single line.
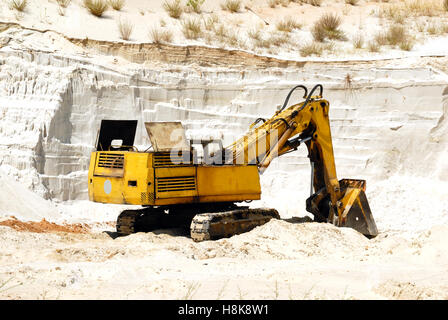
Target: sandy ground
[(280, 260), (292, 258)]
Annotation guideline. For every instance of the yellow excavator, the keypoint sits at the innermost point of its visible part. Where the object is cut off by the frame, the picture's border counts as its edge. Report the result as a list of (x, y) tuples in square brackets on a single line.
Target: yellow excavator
[(199, 183)]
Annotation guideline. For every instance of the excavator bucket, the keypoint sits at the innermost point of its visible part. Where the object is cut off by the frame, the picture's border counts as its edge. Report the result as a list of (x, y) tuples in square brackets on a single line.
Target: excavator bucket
[(356, 213)]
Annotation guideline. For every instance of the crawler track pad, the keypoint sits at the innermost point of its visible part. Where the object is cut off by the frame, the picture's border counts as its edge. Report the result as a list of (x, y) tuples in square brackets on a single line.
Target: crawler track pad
[(212, 226)]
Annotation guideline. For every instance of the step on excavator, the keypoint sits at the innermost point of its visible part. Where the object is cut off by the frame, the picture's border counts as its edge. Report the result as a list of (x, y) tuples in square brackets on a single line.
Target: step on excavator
[(197, 184)]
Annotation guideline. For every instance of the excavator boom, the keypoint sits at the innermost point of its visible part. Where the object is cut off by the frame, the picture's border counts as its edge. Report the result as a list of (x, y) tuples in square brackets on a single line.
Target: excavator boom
[(343, 202)]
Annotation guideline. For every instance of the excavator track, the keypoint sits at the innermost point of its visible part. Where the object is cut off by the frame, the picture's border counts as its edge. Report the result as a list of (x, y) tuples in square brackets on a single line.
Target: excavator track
[(216, 225), (126, 221), (132, 221)]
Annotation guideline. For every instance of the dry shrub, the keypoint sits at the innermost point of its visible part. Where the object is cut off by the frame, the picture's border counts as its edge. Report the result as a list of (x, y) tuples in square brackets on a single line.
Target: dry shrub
[(352, 2), (125, 27), (173, 8), (396, 35), (116, 4), (195, 5), (313, 48), (158, 35), (221, 32), (63, 3), (273, 3), (327, 27), (19, 5), (428, 8), (396, 13), (231, 5), (232, 38), (373, 46), (415, 8), (315, 3), (288, 24), (96, 7), (438, 28), (445, 5), (192, 28), (210, 22), (433, 28), (406, 44), (330, 22), (358, 41), (421, 26), (254, 34), (381, 39), (278, 39)]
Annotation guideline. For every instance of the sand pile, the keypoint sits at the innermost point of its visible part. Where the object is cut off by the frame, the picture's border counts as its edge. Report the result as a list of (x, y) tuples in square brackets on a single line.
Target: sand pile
[(17, 200)]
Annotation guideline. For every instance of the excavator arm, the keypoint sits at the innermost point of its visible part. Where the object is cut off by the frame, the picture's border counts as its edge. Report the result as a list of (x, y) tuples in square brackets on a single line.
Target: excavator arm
[(343, 202)]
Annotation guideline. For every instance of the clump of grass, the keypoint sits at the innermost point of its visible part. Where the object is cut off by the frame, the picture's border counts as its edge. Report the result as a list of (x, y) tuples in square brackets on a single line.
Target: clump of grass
[(437, 28), (358, 41), (313, 48), (288, 24), (159, 35), (327, 27), (416, 8), (278, 39), (315, 3), (445, 5), (254, 34), (273, 3), (192, 288), (125, 27), (3, 284), (406, 45), (116, 4), (221, 32), (19, 5), (210, 22), (381, 39), (396, 12), (352, 2), (96, 7), (192, 28), (396, 35), (173, 8), (231, 5), (63, 3), (195, 5), (373, 46), (427, 8), (421, 26), (232, 39)]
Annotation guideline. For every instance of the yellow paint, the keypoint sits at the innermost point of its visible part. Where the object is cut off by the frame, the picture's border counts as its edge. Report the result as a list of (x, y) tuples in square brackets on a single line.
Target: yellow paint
[(140, 183)]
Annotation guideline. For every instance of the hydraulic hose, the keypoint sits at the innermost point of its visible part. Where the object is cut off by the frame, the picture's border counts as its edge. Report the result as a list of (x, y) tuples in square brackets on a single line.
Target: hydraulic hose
[(290, 93)]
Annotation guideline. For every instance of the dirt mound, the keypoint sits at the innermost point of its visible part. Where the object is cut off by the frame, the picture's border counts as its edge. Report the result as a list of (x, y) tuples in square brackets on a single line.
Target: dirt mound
[(44, 226), (277, 239), (406, 291)]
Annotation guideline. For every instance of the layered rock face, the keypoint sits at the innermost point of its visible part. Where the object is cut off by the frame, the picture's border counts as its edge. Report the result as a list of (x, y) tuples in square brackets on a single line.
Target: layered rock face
[(385, 120)]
